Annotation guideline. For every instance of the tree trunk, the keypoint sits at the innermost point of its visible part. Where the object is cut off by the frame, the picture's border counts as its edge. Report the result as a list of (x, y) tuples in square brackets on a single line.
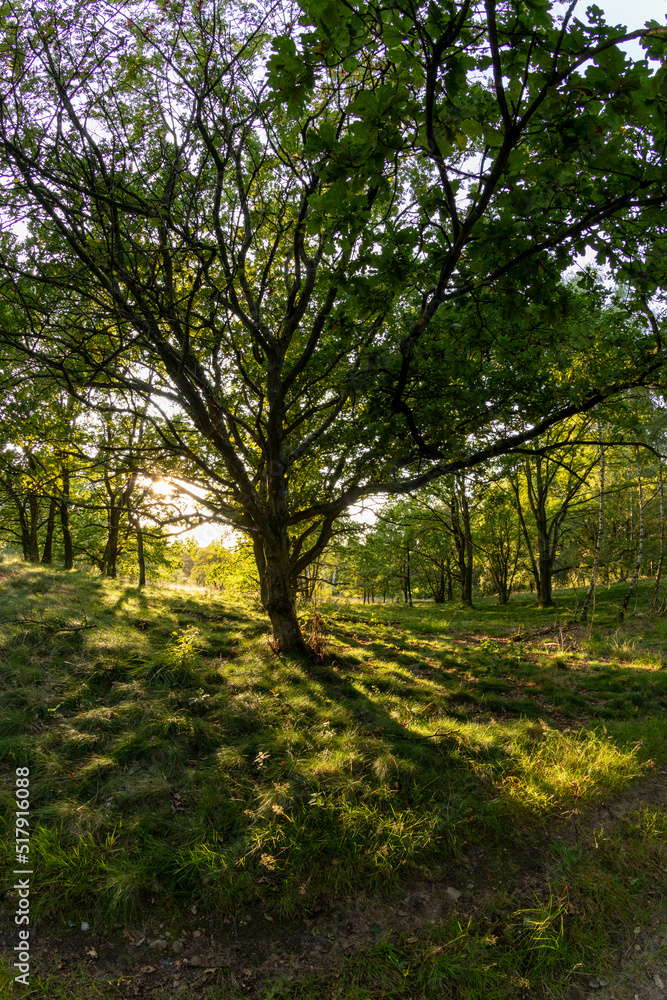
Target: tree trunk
[(661, 557), (441, 588), (640, 549), (598, 546), (538, 497), (108, 568), (23, 523), (466, 588), (463, 544), (47, 552), (64, 520), (544, 594), (140, 555), (33, 507), (278, 594), (535, 583), (408, 581)]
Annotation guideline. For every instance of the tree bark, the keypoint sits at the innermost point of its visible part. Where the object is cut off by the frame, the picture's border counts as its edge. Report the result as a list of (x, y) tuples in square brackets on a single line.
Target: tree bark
[(537, 495), (466, 590), (278, 594), (535, 583), (407, 590), (64, 520), (661, 557), (640, 549), (141, 559), (598, 546), (33, 507), (47, 551), (461, 532)]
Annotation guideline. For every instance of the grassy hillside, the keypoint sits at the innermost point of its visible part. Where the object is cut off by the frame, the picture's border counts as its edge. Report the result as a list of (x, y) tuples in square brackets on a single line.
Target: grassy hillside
[(177, 763)]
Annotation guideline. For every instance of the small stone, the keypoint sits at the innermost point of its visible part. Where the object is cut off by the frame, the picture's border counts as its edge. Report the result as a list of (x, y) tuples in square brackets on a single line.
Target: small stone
[(594, 984), (85, 926), (197, 961), (178, 947), (196, 934), (470, 885), (159, 945), (452, 893), (658, 981), (638, 947), (603, 981)]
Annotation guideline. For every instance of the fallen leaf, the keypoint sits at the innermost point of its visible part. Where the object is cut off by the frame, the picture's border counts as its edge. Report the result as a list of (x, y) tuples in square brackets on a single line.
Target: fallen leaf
[(128, 937), (658, 981), (92, 952), (147, 968)]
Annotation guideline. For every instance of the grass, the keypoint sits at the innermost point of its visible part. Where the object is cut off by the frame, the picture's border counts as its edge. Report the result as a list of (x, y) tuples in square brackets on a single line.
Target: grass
[(175, 761)]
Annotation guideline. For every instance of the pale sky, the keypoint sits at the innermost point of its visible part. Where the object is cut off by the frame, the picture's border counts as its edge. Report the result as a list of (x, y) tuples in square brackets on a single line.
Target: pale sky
[(633, 15)]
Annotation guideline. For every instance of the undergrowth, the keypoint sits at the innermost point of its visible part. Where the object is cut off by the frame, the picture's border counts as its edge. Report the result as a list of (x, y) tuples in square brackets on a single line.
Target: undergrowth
[(176, 761)]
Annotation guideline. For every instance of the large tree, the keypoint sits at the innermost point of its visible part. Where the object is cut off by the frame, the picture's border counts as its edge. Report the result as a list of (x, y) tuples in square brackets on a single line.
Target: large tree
[(327, 240)]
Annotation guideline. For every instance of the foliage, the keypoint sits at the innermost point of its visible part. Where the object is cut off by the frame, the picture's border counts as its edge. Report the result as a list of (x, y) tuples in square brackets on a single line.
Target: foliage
[(229, 570), (328, 264)]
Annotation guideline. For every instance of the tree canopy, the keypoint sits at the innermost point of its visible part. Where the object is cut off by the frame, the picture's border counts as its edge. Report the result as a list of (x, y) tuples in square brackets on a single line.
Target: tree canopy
[(327, 242)]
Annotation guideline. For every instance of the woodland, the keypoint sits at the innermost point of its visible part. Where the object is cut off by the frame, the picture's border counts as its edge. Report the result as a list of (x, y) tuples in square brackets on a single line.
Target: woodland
[(293, 258), (333, 596)]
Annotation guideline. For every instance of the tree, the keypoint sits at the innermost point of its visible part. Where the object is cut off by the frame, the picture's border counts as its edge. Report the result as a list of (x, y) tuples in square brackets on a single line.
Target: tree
[(590, 593), (331, 258), (499, 536), (553, 476)]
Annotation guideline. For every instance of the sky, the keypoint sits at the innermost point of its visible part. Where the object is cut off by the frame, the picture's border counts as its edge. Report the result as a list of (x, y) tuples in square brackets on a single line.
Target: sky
[(633, 15)]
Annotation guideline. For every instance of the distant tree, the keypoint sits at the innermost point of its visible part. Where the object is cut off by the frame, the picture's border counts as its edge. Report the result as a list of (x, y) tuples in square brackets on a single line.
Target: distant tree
[(545, 487), (498, 536)]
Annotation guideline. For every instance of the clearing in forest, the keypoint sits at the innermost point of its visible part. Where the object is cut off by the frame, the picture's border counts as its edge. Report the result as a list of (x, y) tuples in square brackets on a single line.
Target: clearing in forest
[(450, 804)]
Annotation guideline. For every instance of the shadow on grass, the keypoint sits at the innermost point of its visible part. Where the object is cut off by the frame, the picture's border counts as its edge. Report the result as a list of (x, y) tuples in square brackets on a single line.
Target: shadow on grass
[(174, 765)]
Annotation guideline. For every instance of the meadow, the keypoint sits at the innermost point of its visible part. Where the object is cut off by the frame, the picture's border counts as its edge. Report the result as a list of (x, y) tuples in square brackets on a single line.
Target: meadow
[(178, 767)]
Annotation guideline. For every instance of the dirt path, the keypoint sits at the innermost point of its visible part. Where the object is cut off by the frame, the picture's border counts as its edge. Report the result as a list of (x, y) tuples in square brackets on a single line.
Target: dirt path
[(160, 961)]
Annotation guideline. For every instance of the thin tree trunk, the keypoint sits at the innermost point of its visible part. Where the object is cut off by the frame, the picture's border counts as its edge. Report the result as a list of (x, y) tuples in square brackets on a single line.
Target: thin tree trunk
[(23, 521), (33, 507), (661, 557), (640, 549), (64, 520), (466, 590), (47, 551), (140, 554), (598, 546), (526, 537)]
